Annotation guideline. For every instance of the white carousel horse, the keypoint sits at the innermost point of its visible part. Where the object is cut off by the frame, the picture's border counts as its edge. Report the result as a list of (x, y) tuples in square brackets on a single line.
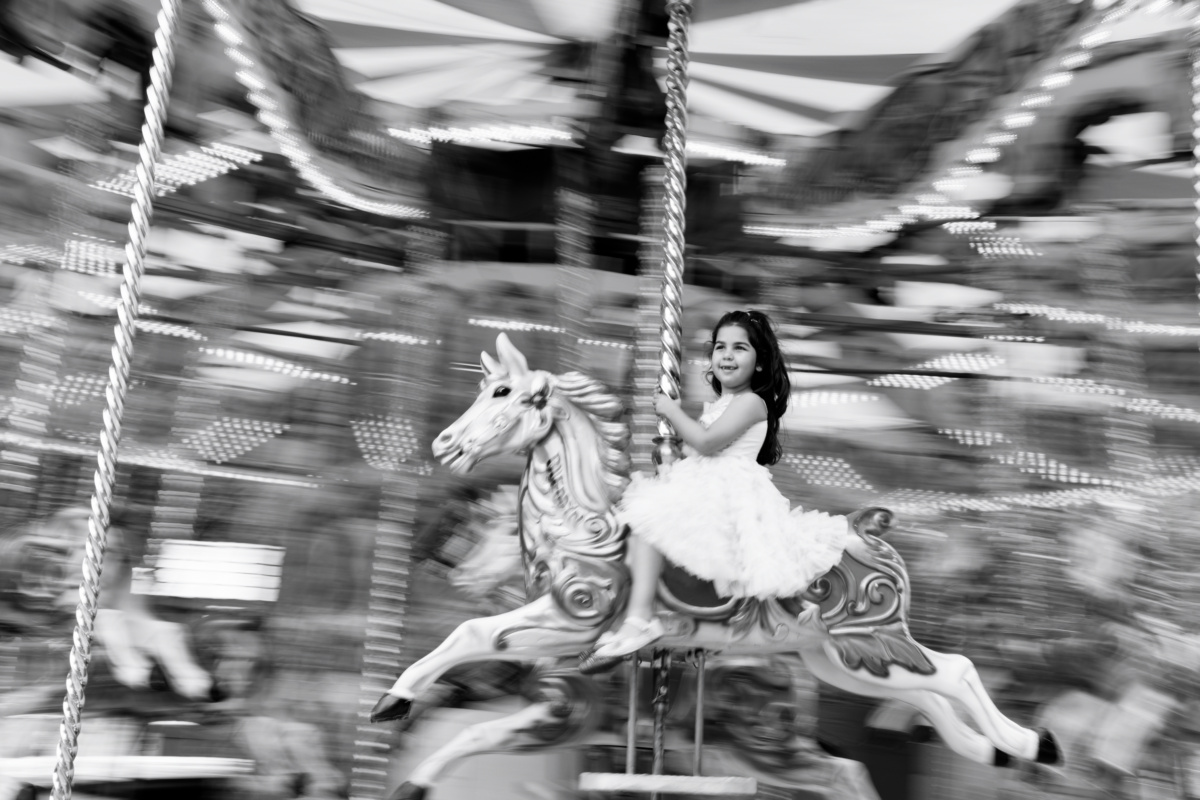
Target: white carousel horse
[(751, 703), (574, 547)]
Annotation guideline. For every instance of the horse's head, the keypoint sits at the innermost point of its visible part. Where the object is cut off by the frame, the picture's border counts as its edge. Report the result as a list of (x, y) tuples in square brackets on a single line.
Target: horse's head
[(512, 413), (40, 562)]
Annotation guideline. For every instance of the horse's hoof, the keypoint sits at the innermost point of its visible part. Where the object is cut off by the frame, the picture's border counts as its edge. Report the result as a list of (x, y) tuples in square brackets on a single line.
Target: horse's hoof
[(409, 791), (590, 665), (1001, 759), (390, 707), (1048, 749)]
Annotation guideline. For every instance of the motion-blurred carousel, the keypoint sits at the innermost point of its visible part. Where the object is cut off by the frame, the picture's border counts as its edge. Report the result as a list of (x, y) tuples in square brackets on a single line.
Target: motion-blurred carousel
[(251, 253)]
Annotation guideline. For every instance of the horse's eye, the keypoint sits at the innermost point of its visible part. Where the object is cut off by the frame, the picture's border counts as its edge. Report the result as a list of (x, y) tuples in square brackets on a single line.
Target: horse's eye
[(501, 391)]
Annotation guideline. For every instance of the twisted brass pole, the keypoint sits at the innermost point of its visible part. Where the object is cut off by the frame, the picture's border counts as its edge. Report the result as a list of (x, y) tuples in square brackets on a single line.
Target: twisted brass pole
[(671, 310), (105, 475), (674, 221)]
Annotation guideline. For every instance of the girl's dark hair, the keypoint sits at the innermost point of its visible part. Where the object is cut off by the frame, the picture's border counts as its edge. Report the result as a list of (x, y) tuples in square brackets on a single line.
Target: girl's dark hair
[(772, 384)]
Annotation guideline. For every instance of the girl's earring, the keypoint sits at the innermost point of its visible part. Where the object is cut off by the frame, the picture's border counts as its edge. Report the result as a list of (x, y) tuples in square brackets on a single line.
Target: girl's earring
[(758, 369)]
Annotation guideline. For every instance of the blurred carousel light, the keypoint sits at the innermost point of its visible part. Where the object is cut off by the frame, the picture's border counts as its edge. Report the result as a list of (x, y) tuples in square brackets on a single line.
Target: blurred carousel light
[(395, 337), (185, 169), (386, 442), (984, 155), (112, 303), (1061, 314), (1156, 408), (826, 398), (964, 228), (288, 368), (232, 437), (1006, 247), (1055, 313), (972, 363), (1045, 467), (1177, 466), (23, 253), (513, 325), (92, 256), (922, 382), (726, 153), (605, 343), (171, 329), (1080, 385), (974, 438), (827, 471), (72, 390)]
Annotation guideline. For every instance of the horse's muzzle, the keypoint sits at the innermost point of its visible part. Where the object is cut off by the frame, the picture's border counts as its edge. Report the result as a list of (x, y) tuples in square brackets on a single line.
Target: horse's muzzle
[(451, 454)]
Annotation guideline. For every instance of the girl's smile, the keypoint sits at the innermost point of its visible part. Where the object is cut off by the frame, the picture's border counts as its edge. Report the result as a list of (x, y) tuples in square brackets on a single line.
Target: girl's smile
[(733, 358)]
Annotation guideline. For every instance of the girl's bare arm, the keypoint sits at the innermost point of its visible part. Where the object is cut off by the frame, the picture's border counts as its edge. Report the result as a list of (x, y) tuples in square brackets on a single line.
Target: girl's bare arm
[(746, 410)]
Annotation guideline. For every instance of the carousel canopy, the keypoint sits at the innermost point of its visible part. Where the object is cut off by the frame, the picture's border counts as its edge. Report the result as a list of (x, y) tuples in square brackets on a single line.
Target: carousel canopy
[(782, 67)]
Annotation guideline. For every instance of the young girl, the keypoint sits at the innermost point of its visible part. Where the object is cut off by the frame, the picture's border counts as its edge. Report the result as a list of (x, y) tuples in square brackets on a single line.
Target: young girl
[(716, 513)]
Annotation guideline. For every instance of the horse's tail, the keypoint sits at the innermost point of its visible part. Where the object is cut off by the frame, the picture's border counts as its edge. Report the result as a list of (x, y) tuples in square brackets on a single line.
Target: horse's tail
[(872, 521)]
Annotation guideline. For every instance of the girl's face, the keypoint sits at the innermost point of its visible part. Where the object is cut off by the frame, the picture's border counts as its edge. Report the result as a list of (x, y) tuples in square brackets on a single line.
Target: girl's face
[(733, 359)]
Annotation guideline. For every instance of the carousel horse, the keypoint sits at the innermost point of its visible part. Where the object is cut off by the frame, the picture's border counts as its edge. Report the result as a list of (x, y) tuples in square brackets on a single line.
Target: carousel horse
[(573, 544), (753, 720), (38, 589)]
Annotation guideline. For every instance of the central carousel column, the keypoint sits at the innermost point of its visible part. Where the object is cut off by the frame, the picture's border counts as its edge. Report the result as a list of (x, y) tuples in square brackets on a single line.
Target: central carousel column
[(582, 175), (396, 443), (574, 233)]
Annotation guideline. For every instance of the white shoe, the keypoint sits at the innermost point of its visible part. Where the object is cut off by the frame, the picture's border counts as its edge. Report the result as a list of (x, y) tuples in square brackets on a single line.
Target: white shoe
[(633, 635)]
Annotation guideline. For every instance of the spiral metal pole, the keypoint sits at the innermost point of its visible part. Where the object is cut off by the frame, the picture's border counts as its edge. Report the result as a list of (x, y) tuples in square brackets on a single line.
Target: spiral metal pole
[(661, 705), (675, 203), (104, 477), (644, 422)]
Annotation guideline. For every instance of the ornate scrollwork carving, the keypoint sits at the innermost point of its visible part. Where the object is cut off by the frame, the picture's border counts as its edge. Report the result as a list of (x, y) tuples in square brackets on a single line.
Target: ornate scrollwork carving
[(864, 602), (590, 591)]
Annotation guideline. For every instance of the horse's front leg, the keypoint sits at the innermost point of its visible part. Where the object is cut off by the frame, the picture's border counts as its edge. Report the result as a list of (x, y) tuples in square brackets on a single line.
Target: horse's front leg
[(537, 630), (567, 707)]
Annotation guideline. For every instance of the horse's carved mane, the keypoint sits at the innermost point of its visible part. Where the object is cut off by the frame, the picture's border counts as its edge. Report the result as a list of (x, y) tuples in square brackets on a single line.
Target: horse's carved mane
[(604, 411)]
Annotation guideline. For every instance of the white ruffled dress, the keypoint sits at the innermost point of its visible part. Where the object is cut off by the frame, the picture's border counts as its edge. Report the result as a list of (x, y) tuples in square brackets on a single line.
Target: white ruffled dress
[(721, 518)]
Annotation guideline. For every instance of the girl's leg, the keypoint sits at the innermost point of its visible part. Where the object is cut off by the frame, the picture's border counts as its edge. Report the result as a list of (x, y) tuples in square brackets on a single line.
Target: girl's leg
[(640, 627), (645, 566)]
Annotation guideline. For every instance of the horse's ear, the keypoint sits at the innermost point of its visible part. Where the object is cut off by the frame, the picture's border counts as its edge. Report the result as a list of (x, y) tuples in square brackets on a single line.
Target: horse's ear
[(491, 367), (510, 356)]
